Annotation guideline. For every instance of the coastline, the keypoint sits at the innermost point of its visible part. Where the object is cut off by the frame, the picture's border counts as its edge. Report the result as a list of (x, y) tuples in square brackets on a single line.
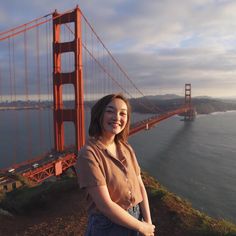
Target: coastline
[(22, 108), (222, 112), (7, 108)]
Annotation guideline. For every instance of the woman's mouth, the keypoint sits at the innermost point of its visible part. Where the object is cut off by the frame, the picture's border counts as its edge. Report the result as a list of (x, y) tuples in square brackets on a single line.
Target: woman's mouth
[(115, 125)]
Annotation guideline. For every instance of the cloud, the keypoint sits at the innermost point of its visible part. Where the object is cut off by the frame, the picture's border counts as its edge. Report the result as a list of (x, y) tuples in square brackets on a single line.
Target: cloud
[(161, 44), (171, 69), (159, 24)]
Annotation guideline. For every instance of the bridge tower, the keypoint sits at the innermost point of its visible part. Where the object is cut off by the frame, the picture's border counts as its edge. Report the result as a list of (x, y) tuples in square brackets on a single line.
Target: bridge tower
[(61, 115), (190, 114)]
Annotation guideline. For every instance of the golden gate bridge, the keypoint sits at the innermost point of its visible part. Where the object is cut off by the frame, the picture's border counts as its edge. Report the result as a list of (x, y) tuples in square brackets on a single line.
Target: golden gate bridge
[(59, 63)]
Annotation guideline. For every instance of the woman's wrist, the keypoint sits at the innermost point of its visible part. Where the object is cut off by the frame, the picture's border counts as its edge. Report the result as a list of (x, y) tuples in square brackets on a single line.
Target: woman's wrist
[(140, 228), (149, 221)]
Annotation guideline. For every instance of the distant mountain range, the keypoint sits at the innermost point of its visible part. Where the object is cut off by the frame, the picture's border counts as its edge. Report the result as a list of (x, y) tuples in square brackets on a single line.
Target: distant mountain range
[(147, 104)]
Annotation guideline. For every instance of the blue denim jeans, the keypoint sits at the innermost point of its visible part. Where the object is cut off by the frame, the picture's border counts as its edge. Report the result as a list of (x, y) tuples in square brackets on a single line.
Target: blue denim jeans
[(100, 225)]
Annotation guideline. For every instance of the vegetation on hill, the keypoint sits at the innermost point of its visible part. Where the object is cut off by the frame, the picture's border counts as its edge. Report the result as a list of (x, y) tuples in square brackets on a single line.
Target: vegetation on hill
[(58, 208)]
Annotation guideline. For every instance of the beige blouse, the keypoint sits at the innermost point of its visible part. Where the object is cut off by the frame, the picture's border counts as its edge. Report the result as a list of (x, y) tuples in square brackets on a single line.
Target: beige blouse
[(96, 166)]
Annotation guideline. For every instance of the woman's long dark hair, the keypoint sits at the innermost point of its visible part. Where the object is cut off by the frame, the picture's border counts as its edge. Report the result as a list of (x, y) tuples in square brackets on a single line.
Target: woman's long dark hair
[(97, 114)]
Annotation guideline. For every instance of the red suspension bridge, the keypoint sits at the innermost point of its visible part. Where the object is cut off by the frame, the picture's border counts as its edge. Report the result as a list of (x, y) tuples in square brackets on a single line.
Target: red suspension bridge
[(52, 70)]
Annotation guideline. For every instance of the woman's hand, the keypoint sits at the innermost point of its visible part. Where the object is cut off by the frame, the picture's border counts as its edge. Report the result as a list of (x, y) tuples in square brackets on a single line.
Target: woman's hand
[(147, 229), (117, 214)]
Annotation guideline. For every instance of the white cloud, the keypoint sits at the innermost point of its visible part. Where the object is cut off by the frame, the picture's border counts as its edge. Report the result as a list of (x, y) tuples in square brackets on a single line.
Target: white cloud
[(164, 43)]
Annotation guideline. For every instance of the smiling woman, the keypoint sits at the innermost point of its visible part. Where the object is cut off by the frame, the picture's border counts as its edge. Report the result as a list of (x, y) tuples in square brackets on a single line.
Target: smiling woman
[(108, 171), (115, 117)]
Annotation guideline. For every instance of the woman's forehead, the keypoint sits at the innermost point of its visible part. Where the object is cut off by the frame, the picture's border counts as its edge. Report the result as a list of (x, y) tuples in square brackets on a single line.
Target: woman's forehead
[(117, 103)]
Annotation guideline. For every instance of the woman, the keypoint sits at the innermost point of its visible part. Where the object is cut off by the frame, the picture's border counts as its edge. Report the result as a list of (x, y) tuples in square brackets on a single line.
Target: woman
[(110, 174)]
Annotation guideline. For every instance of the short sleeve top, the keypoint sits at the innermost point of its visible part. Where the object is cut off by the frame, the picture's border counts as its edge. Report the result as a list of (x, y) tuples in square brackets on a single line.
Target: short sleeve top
[(96, 166)]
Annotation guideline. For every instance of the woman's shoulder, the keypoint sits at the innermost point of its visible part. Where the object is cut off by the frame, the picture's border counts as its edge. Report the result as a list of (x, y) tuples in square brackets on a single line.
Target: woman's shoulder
[(91, 146), (126, 145), (88, 146)]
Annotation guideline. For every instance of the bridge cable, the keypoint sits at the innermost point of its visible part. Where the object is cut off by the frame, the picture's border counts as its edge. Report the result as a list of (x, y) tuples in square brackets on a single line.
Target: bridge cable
[(107, 72), (48, 81), (41, 144), (27, 120), (115, 61)]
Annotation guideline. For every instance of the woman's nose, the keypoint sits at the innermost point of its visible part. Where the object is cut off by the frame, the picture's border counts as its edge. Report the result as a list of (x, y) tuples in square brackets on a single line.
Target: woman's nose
[(115, 116)]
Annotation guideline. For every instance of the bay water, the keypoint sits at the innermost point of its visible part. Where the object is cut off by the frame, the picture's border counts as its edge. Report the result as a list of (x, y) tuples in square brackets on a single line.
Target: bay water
[(196, 160)]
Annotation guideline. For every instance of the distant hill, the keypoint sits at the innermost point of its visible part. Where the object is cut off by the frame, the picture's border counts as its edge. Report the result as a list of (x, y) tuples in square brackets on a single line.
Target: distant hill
[(209, 105), (163, 97), (203, 105)]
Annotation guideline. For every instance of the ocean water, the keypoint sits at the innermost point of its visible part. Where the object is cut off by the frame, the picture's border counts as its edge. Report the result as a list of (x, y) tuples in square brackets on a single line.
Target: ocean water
[(196, 160)]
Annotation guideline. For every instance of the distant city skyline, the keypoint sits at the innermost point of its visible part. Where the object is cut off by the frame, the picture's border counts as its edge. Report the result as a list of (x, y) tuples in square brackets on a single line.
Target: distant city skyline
[(160, 44)]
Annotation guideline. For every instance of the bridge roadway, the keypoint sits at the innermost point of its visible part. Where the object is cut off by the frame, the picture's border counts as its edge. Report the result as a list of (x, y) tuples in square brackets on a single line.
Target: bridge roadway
[(55, 163), (150, 122)]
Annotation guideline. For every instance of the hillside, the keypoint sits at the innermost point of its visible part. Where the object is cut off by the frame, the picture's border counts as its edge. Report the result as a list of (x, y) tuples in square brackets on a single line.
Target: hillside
[(203, 105), (58, 209)]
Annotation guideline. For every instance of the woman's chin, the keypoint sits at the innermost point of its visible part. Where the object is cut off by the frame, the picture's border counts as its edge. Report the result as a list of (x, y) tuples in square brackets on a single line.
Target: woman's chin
[(114, 131)]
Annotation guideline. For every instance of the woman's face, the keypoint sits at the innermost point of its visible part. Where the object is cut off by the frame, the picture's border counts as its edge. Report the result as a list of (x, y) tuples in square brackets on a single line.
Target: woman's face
[(115, 117)]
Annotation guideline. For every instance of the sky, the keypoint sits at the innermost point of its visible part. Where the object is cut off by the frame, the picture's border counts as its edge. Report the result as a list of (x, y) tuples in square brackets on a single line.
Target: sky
[(160, 44)]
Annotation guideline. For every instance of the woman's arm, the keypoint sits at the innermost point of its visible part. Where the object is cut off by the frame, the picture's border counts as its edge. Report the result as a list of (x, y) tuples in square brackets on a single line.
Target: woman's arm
[(115, 213), (145, 203)]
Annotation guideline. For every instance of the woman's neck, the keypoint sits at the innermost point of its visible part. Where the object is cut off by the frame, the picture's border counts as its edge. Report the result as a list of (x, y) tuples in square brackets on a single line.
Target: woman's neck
[(107, 140)]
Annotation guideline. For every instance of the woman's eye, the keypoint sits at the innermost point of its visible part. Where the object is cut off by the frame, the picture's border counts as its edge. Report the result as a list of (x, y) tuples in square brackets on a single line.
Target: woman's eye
[(109, 111), (123, 114)]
